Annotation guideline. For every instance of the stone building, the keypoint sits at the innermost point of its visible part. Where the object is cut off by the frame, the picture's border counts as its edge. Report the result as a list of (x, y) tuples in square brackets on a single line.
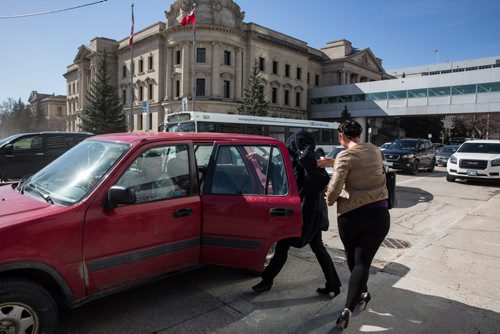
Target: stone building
[(52, 106), (226, 49)]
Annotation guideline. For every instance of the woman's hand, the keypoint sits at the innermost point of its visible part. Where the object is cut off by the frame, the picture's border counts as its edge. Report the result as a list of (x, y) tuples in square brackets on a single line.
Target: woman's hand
[(324, 162)]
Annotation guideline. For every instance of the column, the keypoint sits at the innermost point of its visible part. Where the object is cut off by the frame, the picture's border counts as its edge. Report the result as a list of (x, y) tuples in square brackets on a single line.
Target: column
[(238, 75), (169, 54), (186, 73), (216, 60)]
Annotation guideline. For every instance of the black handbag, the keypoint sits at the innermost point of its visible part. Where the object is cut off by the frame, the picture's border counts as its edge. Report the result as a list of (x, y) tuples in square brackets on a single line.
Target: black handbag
[(390, 182)]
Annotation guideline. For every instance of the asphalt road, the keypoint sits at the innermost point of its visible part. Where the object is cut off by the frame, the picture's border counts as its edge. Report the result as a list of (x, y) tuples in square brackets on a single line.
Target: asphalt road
[(216, 299)]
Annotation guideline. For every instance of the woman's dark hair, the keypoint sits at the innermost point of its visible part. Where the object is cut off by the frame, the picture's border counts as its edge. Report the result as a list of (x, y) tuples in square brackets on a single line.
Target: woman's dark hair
[(350, 129)]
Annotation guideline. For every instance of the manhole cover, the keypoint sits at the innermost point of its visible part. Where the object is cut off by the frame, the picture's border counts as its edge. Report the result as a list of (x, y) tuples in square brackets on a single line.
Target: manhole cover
[(395, 243)]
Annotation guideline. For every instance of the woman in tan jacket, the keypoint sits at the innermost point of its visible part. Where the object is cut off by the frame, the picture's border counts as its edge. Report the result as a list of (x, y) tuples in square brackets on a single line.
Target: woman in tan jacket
[(358, 187)]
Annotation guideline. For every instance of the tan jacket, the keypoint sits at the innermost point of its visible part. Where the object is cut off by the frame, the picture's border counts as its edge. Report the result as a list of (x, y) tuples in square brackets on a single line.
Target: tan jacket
[(358, 178)]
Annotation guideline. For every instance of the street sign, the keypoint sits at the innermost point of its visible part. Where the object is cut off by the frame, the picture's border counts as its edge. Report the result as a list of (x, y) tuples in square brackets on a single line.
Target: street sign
[(145, 107)]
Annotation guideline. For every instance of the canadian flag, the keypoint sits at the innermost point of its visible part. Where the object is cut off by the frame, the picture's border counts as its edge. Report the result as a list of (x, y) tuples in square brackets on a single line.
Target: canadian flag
[(189, 18)]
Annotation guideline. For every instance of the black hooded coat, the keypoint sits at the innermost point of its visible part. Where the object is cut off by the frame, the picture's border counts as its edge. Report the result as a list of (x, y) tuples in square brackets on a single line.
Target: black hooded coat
[(311, 181)]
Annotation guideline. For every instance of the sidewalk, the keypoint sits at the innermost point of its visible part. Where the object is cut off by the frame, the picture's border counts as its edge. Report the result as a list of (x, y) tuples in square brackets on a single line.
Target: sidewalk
[(449, 284)]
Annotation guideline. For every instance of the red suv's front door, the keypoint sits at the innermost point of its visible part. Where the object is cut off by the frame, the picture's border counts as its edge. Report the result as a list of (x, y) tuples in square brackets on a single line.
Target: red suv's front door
[(250, 201), (158, 233)]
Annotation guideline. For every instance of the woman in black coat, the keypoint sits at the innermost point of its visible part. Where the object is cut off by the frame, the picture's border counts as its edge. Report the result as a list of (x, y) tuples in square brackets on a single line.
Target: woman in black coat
[(311, 182)]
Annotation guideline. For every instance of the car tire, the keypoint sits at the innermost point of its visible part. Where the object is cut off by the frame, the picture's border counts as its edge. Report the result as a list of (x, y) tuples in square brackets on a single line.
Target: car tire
[(25, 302), (449, 178), (415, 168), (432, 165)]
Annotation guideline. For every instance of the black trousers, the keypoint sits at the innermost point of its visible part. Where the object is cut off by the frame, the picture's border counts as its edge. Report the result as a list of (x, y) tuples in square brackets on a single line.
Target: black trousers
[(361, 231), (324, 259)]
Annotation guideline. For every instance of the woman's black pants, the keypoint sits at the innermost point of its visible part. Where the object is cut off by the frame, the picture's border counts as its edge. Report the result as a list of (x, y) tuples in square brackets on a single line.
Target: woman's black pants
[(324, 259), (362, 231)]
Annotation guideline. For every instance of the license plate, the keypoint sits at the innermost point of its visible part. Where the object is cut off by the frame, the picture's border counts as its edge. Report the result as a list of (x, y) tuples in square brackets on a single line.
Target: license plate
[(471, 172)]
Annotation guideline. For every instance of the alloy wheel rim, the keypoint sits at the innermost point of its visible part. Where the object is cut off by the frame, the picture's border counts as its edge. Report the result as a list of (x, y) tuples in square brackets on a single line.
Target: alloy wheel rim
[(17, 318)]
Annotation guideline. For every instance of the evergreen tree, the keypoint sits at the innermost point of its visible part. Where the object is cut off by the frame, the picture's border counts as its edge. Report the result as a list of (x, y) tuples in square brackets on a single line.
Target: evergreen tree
[(254, 102), (104, 110), (15, 118), (346, 115)]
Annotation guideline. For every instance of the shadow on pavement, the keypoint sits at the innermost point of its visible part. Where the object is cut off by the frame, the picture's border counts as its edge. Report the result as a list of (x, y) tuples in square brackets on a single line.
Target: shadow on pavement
[(411, 196), (216, 299)]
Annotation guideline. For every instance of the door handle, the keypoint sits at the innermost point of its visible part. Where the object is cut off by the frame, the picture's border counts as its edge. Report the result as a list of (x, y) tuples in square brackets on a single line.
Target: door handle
[(40, 154), (182, 213), (281, 212)]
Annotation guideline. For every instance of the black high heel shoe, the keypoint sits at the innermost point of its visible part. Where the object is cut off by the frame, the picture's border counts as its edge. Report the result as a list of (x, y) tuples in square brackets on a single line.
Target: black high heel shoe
[(343, 320), (327, 289), (262, 286), (365, 298)]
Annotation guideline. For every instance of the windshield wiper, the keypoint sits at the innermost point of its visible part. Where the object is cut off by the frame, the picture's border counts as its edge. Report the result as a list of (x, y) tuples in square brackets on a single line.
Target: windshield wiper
[(43, 193), (21, 184)]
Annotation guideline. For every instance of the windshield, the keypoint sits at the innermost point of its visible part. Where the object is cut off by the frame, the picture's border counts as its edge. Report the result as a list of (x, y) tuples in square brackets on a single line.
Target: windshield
[(76, 173), (404, 145), (491, 148), (448, 149)]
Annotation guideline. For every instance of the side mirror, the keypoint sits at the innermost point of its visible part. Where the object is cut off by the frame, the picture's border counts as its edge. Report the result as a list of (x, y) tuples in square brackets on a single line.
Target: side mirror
[(8, 148), (120, 195)]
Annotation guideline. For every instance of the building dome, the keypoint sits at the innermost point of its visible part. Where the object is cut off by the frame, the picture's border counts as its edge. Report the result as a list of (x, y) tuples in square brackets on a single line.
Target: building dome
[(211, 12)]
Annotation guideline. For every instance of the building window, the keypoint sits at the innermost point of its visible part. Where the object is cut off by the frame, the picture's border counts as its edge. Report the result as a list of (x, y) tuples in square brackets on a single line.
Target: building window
[(308, 77), (150, 62), (150, 92), (141, 93), (227, 58), (227, 89), (177, 57), (274, 98), (69, 89), (316, 80), (141, 66), (287, 70), (297, 99), (261, 64), (124, 96), (124, 71), (287, 94), (177, 88), (59, 111), (201, 55), (299, 73), (200, 87), (275, 67)]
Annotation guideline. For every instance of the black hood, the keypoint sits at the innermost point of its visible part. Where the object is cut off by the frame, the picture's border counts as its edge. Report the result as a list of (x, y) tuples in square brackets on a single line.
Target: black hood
[(300, 143)]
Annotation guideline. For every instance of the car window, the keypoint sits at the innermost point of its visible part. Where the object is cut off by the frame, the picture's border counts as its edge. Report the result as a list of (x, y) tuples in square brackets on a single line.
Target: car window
[(56, 142), (404, 145), (27, 143), (249, 170), (336, 150), (159, 173), (448, 149)]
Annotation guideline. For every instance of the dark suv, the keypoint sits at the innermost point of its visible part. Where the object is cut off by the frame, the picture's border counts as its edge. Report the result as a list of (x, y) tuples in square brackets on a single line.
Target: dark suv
[(27, 153), (411, 154)]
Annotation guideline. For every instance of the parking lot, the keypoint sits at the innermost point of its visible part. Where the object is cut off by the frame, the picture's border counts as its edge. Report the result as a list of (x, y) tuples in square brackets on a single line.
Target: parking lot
[(434, 273)]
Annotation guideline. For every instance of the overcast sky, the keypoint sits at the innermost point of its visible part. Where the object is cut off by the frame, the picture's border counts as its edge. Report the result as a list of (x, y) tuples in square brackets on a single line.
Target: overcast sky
[(36, 50)]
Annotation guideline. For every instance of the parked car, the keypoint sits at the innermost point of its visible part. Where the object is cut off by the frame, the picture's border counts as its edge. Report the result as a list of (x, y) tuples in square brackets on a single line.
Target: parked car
[(336, 150), (444, 154), (27, 153), (476, 159), (119, 209), (437, 146), (385, 145), (411, 154)]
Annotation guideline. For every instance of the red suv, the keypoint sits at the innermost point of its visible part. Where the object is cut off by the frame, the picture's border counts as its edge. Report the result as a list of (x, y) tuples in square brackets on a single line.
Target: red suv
[(119, 209)]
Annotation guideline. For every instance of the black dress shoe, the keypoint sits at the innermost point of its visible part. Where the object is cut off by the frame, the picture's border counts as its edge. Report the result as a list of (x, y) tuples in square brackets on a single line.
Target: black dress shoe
[(327, 289), (343, 320), (262, 286)]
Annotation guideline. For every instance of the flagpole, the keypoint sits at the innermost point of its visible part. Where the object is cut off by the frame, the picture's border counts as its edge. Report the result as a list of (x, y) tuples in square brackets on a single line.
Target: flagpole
[(193, 89), (131, 42)]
